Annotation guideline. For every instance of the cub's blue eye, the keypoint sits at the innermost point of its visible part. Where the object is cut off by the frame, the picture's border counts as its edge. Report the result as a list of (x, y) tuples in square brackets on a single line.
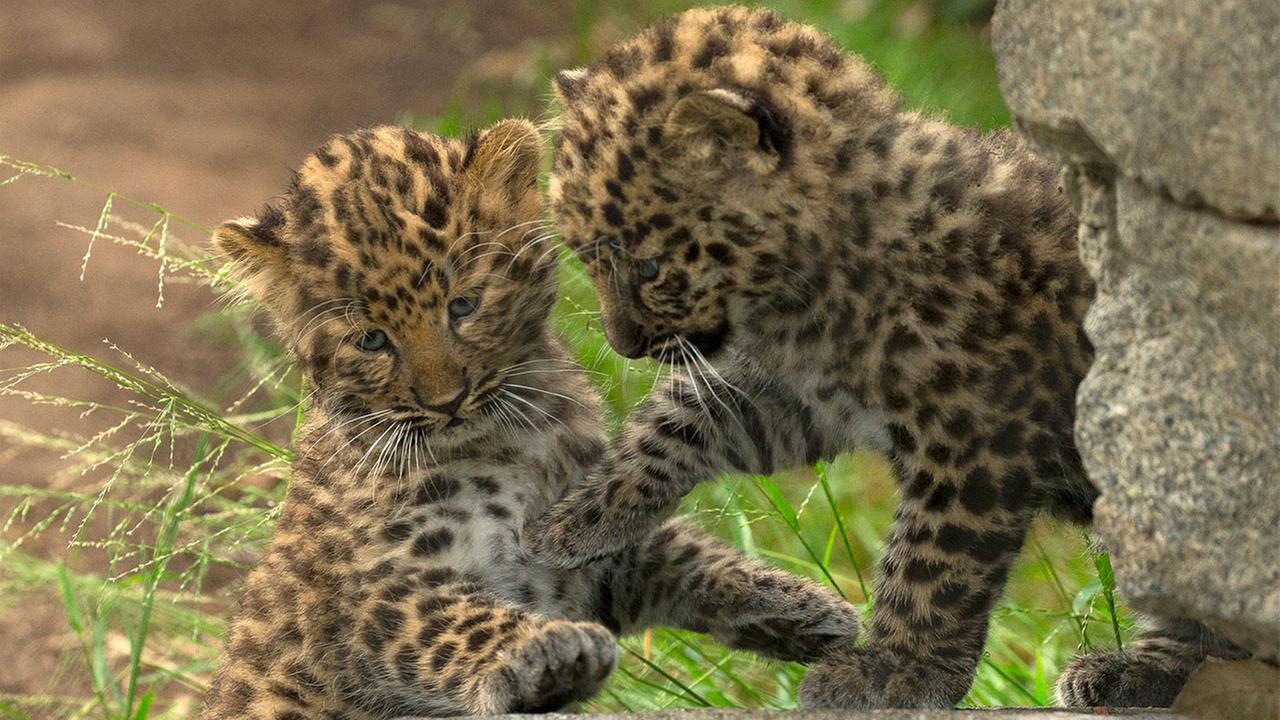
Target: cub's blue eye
[(647, 269), (460, 307), (372, 341)]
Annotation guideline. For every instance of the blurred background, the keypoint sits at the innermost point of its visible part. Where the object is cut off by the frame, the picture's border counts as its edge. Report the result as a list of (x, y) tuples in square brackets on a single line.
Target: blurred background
[(144, 425)]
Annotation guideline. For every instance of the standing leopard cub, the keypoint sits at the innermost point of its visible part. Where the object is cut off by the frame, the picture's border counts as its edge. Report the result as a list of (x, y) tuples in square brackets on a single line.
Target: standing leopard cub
[(405, 274), (837, 273)]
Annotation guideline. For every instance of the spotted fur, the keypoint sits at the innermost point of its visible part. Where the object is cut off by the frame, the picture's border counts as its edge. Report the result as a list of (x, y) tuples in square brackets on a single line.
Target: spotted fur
[(830, 272), (395, 582)]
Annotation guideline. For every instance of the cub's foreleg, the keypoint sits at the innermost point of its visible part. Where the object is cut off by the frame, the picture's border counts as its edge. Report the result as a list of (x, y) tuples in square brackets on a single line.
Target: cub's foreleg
[(691, 429), (679, 577)]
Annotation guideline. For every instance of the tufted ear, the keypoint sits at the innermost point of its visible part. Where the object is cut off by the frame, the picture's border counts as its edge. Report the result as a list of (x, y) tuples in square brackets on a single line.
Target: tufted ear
[(568, 84), (726, 128), (507, 157), (255, 248)]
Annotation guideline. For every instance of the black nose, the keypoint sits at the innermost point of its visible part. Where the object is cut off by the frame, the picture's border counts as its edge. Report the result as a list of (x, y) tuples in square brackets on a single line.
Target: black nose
[(625, 336), (452, 406)]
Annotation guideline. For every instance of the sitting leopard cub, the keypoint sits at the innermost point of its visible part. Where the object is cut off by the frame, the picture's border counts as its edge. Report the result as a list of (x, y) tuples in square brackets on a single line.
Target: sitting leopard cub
[(836, 272), (401, 274)]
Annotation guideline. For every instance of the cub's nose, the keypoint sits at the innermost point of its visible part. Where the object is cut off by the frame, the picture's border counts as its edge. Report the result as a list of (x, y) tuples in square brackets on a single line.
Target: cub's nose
[(625, 336), (450, 407)]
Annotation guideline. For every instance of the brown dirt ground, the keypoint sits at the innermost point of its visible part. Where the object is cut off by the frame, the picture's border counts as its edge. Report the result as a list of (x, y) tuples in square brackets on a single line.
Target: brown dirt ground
[(202, 107)]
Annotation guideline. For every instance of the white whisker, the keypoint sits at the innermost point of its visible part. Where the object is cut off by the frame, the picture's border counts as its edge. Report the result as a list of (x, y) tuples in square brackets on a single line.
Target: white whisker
[(548, 392)]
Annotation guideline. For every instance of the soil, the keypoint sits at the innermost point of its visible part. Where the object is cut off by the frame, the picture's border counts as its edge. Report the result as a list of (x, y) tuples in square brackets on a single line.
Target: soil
[(202, 107)]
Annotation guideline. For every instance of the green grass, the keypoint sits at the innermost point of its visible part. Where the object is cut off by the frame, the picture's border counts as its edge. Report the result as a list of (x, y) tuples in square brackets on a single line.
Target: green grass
[(174, 491)]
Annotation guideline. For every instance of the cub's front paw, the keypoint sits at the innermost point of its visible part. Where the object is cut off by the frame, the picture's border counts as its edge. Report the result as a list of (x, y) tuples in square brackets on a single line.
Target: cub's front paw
[(1116, 679), (564, 662), (562, 538), (869, 677), (794, 619)]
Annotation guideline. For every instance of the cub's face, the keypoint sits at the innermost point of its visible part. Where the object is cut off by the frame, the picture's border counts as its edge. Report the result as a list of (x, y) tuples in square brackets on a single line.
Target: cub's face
[(663, 267), (404, 270), (673, 223), (694, 172)]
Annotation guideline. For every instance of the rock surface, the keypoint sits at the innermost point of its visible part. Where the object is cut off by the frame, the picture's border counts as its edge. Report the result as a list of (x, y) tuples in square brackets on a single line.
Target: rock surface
[(1181, 95), (1231, 690), (976, 714), (1166, 115)]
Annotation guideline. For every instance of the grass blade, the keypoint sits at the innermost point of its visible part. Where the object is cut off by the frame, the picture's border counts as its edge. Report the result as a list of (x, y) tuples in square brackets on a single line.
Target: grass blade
[(788, 514), (821, 469)]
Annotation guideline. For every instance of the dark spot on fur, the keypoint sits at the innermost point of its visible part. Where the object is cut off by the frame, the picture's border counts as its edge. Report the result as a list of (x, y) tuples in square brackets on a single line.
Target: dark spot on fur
[(1015, 489), (722, 253), (978, 495), (645, 97), (436, 489), (315, 251), (948, 594), (432, 542), (612, 214), (919, 485), (939, 453), (1007, 440), (407, 664), (946, 378), (954, 539), (442, 655), (902, 339), (904, 441), (941, 498), (919, 570), (435, 213), (714, 47)]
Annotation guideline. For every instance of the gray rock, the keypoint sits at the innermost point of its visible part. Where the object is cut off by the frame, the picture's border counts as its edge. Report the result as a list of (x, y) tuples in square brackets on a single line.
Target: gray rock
[(1182, 94), (1228, 690), (1178, 420), (1166, 114)]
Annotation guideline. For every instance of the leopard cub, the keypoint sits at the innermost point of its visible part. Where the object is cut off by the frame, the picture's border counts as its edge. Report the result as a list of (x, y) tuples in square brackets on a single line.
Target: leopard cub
[(829, 271), (406, 275)]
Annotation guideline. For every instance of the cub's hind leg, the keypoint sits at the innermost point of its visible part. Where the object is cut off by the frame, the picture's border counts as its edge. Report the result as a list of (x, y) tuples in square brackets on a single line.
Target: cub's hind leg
[(680, 577), (1150, 672)]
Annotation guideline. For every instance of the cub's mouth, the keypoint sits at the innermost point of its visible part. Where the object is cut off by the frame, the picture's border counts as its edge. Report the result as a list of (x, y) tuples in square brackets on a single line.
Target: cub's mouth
[(679, 349)]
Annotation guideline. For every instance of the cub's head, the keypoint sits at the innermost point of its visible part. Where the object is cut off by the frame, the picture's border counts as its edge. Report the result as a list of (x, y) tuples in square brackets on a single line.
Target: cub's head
[(405, 272), (691, 168)]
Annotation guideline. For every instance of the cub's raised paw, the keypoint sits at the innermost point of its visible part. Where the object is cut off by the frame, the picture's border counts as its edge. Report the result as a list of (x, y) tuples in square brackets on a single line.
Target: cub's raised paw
[(564, 662), (794, 619), (563, 538), (1117, 679), (869, 677)]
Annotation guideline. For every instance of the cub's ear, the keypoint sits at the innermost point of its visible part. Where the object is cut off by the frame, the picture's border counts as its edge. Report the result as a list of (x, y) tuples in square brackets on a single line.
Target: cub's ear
[(568, 85), (254, 246), (726, 129), (507, 157)]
